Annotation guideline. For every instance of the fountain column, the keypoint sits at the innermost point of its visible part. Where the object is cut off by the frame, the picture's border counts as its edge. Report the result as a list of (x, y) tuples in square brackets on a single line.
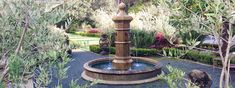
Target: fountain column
[(122, 60)]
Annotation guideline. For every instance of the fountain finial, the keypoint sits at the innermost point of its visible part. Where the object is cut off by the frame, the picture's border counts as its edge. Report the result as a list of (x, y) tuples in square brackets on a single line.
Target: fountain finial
[(122, 15), (122, 6)]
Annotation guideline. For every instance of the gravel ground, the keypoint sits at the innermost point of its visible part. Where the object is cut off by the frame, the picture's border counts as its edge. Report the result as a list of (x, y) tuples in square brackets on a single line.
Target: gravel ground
[(81, 57)]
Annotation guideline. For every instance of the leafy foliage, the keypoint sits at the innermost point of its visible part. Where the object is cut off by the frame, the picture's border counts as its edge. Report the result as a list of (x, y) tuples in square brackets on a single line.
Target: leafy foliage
[(134, 51), (136, 8), (143, 52), (188, 26), (94, 48), (173, 52), (142, 38), (41, 47), (89, 13), (1, 85), (175, 78), (73, 84), (204, 57), (15, 68)]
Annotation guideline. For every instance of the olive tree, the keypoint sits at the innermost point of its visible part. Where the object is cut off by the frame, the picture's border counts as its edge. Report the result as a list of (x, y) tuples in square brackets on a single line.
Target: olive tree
[(215, 17), (28, 44)]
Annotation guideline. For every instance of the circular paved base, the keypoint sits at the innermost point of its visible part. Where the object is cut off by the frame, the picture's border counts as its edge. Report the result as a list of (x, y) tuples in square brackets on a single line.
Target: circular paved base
[(84, 76)]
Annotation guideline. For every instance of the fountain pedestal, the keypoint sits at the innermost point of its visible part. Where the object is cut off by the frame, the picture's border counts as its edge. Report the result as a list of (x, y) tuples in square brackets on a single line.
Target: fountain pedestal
[(122, 21)]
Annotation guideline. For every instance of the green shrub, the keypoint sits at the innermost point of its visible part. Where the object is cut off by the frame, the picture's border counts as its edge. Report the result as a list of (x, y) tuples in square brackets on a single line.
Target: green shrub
[(139, 38), (143, 52), (1, 85), (175, 78), (142, 38), (204, 57), (87, 34), (74, 44), (112, 50), (31, 46), (233, 61), (136, 8), (94, 48), (192, 55), (134, 51), (188, 37), (15, 68), (172, 52), (77, 23), (73, 27)]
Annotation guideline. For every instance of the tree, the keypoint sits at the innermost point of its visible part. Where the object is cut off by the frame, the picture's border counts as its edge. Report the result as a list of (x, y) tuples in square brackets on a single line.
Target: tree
[(27, 43), (215, 16)]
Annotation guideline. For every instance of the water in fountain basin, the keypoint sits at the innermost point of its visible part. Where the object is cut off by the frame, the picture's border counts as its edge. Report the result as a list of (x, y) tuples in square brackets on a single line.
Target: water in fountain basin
[(136, 66)]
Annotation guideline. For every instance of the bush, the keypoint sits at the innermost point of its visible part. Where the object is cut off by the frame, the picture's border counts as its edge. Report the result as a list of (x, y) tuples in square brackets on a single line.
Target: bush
[(175, 78), (143, 52), (74, 44), (1, 85), (112, 50), (35, 44), (87, 34), (204, 57), (73, 27), (233, 61), (134, 51), (172, 52), (188, 37), (142, 38), (136, 8), (94, 48), (15, 68), (139, 38)]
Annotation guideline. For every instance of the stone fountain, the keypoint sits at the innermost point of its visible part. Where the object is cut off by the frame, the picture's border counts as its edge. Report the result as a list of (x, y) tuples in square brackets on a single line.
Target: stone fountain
[(122, 69)]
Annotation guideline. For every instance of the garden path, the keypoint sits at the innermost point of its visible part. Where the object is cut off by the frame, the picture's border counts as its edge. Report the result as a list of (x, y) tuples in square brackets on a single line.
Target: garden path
[(81, 57)]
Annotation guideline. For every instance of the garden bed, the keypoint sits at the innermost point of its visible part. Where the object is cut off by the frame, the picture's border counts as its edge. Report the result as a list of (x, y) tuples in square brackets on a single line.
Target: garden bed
[(202, 56), (194, 55)]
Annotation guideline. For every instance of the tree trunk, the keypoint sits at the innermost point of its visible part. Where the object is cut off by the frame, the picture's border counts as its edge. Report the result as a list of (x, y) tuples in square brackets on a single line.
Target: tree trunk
[(225, 47), (221, 78)]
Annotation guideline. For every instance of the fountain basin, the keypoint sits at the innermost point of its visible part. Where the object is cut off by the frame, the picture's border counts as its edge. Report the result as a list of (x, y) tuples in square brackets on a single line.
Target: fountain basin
[(143, 70)]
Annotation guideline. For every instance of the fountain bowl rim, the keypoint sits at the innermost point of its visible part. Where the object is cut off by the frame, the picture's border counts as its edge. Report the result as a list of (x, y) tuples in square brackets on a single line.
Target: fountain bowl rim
[(157, 65)]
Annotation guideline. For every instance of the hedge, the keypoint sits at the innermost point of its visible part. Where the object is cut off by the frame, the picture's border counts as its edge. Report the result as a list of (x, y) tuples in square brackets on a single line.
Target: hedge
[(143, 52), (173, 52), (200, 56), (233, 61), (134, 51), (204, 57), (94, 48)]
